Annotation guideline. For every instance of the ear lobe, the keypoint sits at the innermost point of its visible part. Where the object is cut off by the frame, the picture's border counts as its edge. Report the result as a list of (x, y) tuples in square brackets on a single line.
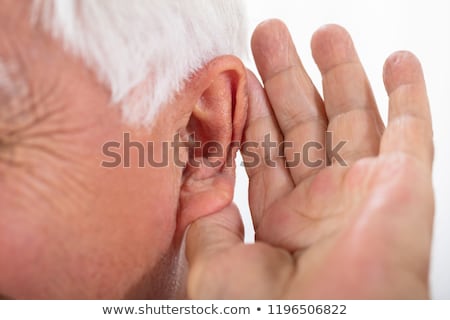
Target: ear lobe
[(216, 125)]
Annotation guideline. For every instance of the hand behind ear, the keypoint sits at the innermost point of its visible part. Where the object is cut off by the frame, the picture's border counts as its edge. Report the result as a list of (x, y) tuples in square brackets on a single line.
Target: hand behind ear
[(331, 231)]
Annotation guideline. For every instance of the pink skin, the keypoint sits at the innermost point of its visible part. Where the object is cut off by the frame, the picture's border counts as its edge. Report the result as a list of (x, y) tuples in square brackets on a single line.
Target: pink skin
[(361, 231), (70, 228)]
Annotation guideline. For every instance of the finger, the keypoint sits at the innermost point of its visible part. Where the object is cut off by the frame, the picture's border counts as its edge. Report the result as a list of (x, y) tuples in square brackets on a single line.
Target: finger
[(349, 102), (297, 105), (409, 128), (269, 178)]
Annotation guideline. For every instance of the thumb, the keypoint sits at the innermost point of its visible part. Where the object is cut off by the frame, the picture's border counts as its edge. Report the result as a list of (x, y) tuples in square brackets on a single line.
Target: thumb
[(206, 239), (222, 267), (214, 233)]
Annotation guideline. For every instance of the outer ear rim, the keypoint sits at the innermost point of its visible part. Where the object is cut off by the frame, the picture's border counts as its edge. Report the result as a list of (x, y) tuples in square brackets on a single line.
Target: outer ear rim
[(216, 193)]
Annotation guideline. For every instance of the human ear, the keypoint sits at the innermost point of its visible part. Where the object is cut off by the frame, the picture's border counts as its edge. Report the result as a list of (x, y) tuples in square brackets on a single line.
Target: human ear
[(219, 108)]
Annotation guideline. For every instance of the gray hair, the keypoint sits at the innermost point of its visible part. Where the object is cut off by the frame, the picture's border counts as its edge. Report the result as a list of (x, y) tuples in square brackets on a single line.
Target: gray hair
[(144, 50)]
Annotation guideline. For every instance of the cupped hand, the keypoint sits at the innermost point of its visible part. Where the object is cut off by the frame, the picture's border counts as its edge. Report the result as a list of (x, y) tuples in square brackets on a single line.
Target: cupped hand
[(352, 219)]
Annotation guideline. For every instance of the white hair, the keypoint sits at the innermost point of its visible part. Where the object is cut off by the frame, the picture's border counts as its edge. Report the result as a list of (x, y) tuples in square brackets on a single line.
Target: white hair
[(144, 50)]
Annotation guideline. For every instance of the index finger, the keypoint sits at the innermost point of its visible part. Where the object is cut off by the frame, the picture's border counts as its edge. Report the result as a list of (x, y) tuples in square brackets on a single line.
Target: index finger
[(296, 103)]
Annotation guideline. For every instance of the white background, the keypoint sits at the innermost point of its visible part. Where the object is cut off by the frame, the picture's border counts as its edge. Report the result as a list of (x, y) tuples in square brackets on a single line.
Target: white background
[(378, 29)]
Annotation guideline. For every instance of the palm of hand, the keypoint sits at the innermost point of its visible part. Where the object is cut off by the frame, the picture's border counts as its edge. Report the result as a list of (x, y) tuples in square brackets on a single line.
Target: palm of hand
[(358, 225)]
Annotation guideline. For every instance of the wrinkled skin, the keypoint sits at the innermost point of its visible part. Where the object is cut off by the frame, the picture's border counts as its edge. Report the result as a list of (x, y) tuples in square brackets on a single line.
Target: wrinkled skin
[(72, 228)]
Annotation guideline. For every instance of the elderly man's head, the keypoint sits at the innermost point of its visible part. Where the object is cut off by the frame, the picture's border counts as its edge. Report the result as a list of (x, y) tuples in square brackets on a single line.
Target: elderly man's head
[(84, 86)]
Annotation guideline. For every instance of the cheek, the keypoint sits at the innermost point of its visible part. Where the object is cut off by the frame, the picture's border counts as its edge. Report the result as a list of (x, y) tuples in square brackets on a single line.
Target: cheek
[(28, 252), (134, 227), (96, 253)]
